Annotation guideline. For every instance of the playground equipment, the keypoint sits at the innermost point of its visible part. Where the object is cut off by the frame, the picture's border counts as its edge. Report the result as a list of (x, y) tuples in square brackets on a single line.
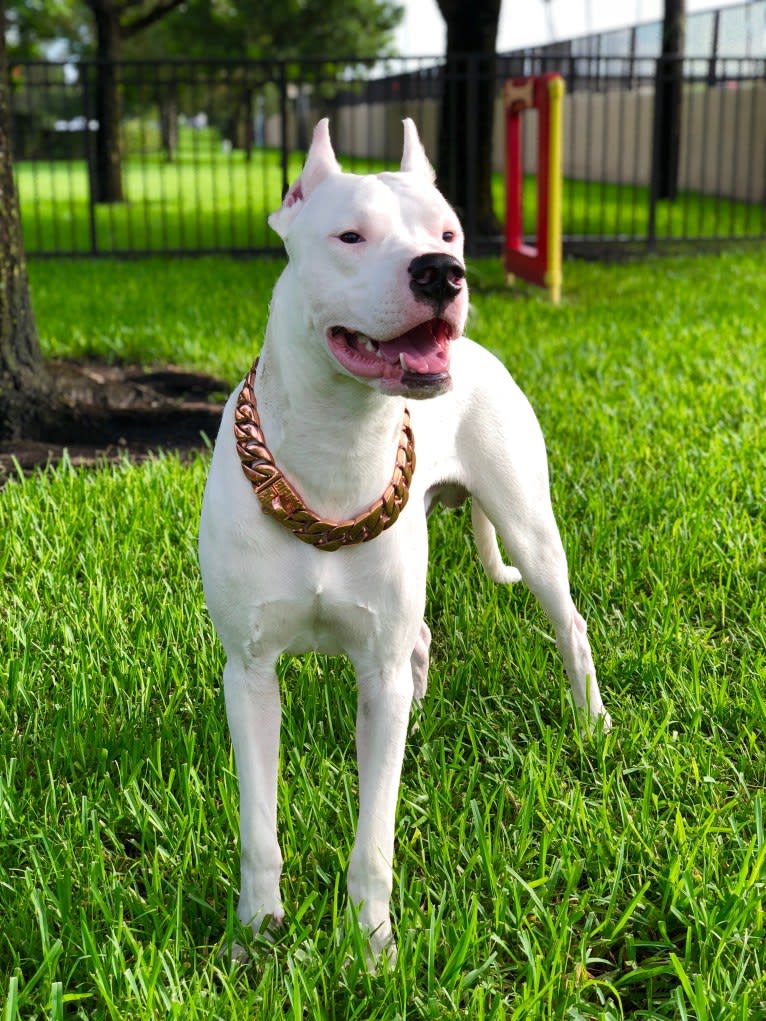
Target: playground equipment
[(539, 263)]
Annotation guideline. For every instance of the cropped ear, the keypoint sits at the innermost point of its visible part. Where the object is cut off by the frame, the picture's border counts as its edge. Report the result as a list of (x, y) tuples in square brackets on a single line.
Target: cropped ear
[(320, 163), (414, 159)]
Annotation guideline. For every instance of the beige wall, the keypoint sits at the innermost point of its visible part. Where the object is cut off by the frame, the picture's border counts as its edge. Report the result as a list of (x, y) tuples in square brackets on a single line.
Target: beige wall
[(607, 137), (728, 154)]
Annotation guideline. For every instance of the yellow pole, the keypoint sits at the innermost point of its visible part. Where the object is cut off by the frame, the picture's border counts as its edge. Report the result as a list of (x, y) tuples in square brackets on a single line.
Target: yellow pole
[(554, 274)]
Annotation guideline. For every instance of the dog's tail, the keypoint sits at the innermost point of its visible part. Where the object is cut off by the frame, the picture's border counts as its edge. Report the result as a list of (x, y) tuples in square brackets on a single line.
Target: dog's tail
[(485, 537)]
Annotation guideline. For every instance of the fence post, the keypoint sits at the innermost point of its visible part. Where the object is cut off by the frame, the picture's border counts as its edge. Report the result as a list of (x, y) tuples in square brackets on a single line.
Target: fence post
[(90, 155), (712, 75), (473, 142), (656, 171), (283, 125)]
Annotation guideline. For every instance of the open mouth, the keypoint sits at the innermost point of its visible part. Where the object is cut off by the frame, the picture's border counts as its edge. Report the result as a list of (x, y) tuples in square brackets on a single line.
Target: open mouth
[(418, 360)]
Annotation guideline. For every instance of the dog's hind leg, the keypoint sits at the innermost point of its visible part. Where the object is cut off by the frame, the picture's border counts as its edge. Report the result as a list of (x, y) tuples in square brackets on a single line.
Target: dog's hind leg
[(419, 662), (519, 505), (253, 709), (532, 538), (381, 728), (506, 470)]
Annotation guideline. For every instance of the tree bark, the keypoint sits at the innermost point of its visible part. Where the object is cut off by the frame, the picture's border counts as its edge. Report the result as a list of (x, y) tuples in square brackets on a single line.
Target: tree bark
[(669, 87), (168, 104), (21, 361), (106, 175), (464, 164)]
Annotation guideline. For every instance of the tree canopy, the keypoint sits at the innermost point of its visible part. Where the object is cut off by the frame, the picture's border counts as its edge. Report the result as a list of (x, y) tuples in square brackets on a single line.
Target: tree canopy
[(230, 28)]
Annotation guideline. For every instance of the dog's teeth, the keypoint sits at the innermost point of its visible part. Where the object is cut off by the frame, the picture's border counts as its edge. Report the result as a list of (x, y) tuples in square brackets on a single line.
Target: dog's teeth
[(402, 362), (370, 345)]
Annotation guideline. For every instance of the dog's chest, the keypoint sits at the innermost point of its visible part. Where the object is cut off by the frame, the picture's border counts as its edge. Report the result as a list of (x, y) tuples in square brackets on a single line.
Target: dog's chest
[(317, 622), (350, 601)]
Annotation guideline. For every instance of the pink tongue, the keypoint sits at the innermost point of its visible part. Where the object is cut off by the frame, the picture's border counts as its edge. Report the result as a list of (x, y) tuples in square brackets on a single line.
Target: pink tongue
[(422, 352)]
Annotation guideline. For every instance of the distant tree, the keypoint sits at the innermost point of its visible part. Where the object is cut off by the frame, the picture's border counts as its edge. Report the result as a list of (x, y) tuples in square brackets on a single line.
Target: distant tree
[(21, 361), (464, 164), (258, 29), (329, 29), (99, 28), (669, 91), (325, 32), (115, 21), (33, 24)]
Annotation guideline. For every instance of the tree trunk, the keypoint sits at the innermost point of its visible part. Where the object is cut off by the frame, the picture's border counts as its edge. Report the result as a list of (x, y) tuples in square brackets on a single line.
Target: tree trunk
[(106, 178), (247, 124), (169, 122), (669, 88), (464, 163), (21, 362)]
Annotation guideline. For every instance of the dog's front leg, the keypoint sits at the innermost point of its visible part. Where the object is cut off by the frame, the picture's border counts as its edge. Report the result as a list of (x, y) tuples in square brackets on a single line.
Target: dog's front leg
[(381, 727), (253, 710)]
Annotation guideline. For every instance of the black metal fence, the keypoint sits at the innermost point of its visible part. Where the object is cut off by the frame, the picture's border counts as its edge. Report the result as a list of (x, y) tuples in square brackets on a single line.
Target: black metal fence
[(201, 151)]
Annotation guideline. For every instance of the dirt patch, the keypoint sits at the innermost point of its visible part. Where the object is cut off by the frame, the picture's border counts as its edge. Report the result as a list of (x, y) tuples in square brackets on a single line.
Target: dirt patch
[(110, 411)]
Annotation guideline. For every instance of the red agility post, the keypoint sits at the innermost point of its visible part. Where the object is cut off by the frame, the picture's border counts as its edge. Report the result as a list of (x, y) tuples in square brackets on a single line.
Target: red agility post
[(539, 263)]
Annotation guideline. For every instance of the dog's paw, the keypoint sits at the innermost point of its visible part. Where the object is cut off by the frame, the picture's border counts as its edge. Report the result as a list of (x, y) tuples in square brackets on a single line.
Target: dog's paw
[(265, 930), (591, 724), (233, 955), (375, 957), (382, 958), (604, 721)]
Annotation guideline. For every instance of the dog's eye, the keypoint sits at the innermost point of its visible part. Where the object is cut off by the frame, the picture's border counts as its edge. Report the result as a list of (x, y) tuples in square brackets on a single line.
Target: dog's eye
[(448, 235), (350, 237)]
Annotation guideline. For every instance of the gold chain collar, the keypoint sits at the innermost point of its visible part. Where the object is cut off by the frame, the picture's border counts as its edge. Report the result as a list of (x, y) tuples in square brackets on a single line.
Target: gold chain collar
[(280, 500)]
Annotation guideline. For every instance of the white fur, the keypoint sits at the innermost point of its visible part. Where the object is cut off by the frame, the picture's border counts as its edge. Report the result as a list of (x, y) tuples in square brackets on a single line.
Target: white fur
[(335, 436)]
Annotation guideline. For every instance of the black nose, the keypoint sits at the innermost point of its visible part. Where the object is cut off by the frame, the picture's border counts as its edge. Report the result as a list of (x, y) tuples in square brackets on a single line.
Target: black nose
[(436, 278)]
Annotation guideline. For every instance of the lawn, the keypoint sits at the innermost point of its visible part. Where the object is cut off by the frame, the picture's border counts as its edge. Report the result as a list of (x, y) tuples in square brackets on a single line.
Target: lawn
[(204, 199), (208, 198), (539, 874)]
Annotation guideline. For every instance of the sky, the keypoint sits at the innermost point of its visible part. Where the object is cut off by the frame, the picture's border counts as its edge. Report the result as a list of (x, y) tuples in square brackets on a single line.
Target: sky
[(422, 30)]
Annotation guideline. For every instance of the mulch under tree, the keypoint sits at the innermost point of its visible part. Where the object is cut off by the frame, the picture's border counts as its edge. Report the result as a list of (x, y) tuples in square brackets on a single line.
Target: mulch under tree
[(107, 412)]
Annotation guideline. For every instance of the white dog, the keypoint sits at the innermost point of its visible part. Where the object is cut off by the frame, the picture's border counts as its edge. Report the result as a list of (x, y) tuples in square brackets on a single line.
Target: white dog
[(366, 320)]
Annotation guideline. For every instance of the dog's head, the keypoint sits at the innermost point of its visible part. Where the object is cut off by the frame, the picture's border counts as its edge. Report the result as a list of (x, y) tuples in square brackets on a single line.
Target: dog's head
[(380, 262)]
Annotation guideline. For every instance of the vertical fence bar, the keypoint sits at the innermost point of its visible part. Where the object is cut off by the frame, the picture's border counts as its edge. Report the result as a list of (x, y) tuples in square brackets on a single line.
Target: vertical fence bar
[(32, 198), (719, 157), (473, 69), (265, 181), (74, 239), (711, 74), (213, 150), (284, 146), (168, 148), (654, 183), (733, 164), (124, 209), (687, 125), (90, 154), (750, 187), (146, 148), (180, 154)]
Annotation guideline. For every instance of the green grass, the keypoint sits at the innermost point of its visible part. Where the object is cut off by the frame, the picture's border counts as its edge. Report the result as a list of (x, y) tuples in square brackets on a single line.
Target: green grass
[(202, 200), (209, 199), (538, 874), (602, 210)]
